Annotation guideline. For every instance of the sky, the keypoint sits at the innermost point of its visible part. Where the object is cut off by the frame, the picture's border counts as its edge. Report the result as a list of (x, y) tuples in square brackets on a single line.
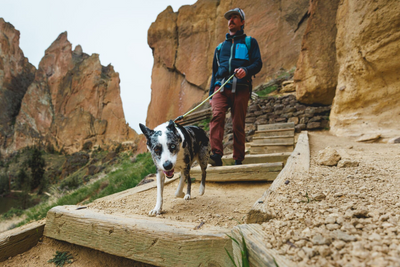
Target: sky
[(116, 30)]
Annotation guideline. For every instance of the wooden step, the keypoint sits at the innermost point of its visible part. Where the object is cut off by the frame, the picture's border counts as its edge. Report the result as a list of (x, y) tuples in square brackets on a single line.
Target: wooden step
[(275, 126), (156, 241), (240, 173), (278, 132), (21, 239), (269, 148), (259, 158), (273, 140)]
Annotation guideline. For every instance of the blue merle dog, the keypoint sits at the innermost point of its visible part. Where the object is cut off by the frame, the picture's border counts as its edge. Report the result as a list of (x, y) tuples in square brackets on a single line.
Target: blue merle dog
[(174, 147)]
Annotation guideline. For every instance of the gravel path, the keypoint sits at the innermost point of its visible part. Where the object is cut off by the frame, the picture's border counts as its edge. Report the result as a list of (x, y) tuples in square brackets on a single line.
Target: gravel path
[(341, 216)]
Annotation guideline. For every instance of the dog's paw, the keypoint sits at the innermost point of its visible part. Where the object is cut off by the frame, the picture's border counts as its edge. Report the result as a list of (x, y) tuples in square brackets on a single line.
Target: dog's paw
[(179, 194), (155, 212), (187, 197), (201, 190)]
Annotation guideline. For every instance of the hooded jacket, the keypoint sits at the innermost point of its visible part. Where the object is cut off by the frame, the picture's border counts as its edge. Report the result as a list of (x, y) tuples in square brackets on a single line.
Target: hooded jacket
[(234, 54)]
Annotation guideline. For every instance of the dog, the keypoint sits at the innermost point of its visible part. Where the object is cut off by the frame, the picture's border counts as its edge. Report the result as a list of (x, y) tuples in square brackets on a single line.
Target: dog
[(175, 148)]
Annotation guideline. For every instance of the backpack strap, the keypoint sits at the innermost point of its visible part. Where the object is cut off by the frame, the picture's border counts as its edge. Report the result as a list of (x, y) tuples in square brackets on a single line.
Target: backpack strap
[(217, 54), (248, 43)]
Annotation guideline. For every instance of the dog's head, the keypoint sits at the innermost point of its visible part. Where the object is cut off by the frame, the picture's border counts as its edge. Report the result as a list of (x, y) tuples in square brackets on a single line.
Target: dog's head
[(164, 143)]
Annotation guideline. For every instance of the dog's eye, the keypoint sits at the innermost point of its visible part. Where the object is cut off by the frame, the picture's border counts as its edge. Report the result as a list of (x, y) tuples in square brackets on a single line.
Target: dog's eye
[(172, 146), (157, 150)]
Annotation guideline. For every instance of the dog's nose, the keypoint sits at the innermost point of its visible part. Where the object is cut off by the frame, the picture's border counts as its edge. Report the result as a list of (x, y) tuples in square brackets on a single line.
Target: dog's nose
[(167, 165)]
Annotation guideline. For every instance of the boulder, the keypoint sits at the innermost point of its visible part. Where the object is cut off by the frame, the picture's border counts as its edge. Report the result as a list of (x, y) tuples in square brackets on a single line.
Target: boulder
[(328, 157), (367, 98)]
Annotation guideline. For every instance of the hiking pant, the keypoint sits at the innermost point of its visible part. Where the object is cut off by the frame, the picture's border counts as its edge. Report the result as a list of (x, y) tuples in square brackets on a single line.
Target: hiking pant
[(238, 103)]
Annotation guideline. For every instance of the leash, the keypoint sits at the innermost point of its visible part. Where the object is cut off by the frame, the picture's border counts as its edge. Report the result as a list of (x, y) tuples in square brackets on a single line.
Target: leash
[(205, 100)]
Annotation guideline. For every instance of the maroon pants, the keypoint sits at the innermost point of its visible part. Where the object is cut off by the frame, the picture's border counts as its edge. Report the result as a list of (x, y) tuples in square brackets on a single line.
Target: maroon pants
[(220, 103)]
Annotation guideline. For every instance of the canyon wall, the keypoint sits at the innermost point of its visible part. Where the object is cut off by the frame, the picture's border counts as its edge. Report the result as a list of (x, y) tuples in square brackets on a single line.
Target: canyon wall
[(346, 53), (70, 101), (16, 74), (184, 42), (368, 52)]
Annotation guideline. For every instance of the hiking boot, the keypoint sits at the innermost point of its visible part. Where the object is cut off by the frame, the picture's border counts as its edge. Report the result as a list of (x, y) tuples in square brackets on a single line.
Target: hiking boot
[(215, 160), (238, 162)]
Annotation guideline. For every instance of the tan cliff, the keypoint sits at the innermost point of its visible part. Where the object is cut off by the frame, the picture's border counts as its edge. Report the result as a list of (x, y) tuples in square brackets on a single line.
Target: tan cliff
[(16, 74), (71, 100), (183, 45), (346, 53), (368, 52)]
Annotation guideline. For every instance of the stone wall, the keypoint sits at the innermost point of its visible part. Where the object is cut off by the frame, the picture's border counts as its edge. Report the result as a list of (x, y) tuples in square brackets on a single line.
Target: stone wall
[(279, 110)]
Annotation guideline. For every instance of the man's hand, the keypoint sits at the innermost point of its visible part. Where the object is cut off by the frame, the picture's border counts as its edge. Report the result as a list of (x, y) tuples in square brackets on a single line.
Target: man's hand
[(240, 73)]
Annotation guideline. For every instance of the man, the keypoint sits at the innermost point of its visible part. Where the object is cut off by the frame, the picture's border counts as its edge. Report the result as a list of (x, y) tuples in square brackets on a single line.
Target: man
[(239, 55)]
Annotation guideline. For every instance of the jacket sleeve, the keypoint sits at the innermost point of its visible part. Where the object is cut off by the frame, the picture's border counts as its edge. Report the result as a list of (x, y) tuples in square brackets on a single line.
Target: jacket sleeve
[(256, 63), (214, 72)]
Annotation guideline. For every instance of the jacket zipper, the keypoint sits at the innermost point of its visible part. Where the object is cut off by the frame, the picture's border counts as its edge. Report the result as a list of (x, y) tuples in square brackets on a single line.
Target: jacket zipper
[(230, 58)]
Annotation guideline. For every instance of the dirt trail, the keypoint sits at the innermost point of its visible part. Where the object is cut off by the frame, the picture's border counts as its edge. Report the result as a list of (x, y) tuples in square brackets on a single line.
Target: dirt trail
[(356, 222)]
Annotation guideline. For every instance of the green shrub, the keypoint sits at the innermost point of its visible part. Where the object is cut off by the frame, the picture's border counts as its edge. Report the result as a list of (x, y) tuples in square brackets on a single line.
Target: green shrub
[(13, 211), (266, 91)]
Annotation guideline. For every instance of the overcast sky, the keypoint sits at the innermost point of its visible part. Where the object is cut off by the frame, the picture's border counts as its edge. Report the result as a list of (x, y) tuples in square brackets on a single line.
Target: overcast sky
[(116, 30)]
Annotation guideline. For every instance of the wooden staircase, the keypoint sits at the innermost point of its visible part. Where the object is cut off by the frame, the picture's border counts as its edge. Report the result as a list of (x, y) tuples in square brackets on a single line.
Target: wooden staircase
[(271, 147)]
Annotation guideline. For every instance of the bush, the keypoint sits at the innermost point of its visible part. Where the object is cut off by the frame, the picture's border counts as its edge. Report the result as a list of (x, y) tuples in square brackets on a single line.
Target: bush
[(36, 163), (4, 185), (13, 211)]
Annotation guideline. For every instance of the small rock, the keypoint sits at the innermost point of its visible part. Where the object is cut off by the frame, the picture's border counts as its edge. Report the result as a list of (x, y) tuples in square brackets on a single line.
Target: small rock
[(339, 244), (361, 213), (395, 140), (344, 163), (340, 235), (319, 196), (332, 226), (318, 239), (370, 138), (375, 237), (328, 157)]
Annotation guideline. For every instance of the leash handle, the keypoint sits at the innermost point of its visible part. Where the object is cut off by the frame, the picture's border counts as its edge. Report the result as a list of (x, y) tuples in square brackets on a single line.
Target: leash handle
[(205, 100)]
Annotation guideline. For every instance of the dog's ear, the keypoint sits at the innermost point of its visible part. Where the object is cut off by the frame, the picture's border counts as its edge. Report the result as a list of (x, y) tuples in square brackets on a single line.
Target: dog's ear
[(171, 127), (146, 131)]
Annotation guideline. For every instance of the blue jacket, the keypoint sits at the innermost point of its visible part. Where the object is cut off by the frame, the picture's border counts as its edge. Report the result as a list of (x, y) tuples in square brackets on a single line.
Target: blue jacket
[(234, 54)]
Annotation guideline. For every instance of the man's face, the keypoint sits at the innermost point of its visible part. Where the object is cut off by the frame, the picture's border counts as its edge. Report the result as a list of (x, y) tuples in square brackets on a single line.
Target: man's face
[(235, 23)]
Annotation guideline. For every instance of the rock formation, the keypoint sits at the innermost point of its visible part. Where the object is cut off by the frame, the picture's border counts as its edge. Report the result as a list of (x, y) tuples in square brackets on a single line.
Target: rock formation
[(73, 100), (368, 52), (16, 74), (346, 54), (317, 68), (184, 42)]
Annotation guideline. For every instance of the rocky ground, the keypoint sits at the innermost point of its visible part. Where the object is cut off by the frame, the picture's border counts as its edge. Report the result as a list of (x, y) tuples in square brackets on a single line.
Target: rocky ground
[(335, 216), (341, 216)]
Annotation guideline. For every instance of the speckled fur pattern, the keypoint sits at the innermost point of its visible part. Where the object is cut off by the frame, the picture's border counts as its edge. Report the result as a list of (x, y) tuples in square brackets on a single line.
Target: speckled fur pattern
[(174, 147)]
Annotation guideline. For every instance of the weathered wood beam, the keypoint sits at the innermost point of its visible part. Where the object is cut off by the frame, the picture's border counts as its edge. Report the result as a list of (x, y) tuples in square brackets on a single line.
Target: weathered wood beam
[(160, 242), (19, 240), (259, 255), (278, 132), (275, 126), (240, 173), (274, 140), (259, 158), (297, 165)]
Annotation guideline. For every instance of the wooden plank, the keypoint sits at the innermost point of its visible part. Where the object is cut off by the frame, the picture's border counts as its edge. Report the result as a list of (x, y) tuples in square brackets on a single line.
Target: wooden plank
[(137, 189), (259, 255), (156, 241), (297, 165), (258, 158), (240, 173), (275, 126), (278, 132), (21, 239), (276, 140), (267, 149)]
